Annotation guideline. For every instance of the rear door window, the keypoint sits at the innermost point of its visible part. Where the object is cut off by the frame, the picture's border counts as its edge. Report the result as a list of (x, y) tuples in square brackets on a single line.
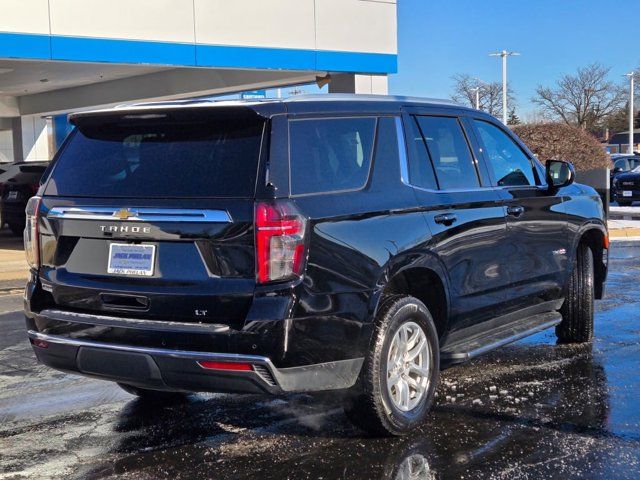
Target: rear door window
[(449, 152), (330, 154), (207, 158)]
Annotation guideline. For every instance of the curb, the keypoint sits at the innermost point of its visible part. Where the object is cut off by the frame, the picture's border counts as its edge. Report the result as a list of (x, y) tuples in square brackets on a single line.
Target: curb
[(10, 287), (625, 241)]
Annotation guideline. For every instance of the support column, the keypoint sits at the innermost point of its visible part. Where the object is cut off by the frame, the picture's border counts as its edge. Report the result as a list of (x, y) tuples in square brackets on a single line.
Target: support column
[(36, 138), (16, 130), (362, 84)]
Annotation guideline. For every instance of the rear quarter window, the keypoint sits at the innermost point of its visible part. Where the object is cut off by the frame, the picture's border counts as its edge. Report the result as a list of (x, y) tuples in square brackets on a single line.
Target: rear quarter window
[(330, 154)]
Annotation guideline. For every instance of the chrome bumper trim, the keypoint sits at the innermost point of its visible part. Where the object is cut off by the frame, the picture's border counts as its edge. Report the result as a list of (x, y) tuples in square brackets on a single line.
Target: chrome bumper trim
[(185, 354), (139, 214)]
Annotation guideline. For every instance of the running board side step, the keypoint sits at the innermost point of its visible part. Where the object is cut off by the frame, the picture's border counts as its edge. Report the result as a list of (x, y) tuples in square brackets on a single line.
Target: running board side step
[(465, 349)]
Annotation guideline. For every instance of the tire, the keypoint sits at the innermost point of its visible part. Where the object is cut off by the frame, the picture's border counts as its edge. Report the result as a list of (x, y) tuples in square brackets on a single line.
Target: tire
[(375, 407), (17, 229), (577, 310), (154, 395)]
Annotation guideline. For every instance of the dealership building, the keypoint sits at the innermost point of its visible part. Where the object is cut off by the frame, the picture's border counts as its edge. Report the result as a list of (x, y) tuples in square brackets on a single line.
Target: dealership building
[(59, 56)]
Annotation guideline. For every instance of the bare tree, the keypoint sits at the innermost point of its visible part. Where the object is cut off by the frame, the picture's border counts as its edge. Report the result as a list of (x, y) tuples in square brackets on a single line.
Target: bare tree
[(584, 99), (490, 93)]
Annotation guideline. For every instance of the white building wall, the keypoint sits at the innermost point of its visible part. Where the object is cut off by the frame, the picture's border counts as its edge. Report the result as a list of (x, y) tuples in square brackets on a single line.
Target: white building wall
[(160, 20), (25, 16), (6, 146), (35, 138), (274, 23), (334, 25), (356, 25)]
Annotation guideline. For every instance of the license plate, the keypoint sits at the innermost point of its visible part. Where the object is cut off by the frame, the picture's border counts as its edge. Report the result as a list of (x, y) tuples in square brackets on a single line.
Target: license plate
[(627, 193), (128, 259), (12, 195)]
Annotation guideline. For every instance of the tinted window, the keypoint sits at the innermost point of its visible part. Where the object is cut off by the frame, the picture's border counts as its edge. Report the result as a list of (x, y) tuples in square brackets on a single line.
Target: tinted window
[(387, 142), (213, 158), (634, 163), (330, 154), (449, 152), (511, 167), (622, 163), (420, 168)]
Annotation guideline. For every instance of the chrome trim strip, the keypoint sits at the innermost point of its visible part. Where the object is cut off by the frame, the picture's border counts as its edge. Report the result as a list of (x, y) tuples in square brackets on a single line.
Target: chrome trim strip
[(402, 150), (134, 323), (140, 214), (184, 354)]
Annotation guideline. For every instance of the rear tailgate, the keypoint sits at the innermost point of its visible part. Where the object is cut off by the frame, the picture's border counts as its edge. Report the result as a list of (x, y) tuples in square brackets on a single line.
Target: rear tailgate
[(153, 217), (202, 266)]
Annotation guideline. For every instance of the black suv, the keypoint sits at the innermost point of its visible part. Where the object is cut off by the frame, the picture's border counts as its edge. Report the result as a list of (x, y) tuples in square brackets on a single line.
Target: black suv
[(18, 184), (318, 243), (625, 188)]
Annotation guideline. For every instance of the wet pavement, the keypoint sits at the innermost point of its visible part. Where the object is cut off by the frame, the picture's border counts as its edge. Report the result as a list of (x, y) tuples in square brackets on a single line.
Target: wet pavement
[(531, 410)]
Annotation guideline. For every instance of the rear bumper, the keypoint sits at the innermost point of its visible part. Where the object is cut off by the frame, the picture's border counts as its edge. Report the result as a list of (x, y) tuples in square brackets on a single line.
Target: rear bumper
[(167, 369)]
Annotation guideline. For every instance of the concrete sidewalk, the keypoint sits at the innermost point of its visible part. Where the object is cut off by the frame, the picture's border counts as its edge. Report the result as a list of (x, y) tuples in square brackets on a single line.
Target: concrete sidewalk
[(13, 264), (624, 223)]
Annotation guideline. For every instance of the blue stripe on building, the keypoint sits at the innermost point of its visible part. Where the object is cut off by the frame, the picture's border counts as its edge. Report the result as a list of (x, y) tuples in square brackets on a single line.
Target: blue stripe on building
[(83, 49), (23, 45)]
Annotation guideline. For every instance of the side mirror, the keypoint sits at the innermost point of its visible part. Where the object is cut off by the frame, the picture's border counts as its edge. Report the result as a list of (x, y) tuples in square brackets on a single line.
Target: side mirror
[(617, 170), (560, 173)]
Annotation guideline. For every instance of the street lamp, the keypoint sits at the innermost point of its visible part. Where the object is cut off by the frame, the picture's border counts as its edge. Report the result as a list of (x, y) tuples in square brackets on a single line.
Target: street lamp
[(476, 91), (504, 54), (631, 76), (480, 85)]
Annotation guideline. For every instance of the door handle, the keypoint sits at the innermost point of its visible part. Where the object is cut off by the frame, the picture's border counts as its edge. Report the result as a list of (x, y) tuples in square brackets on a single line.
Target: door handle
[(515, 211), (445, 219)]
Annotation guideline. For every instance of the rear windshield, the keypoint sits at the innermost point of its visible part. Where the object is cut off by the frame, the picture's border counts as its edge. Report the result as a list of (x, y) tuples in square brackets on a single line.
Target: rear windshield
[(209, 158)]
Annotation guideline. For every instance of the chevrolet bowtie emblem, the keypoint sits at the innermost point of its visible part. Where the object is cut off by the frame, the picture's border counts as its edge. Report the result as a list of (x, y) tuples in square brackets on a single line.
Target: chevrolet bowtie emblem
[(124, 214)]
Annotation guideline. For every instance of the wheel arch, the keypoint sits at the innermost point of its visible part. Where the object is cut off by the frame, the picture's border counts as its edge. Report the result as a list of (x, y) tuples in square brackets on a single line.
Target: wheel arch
[(426, 282), (596, 237)]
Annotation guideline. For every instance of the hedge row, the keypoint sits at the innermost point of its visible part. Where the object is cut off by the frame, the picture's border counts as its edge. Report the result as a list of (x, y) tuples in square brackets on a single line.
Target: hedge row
[(555, 141)]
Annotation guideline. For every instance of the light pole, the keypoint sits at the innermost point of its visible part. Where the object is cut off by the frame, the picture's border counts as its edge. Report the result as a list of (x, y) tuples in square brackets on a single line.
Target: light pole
[(504, 54), (477, 96), (631, 76)]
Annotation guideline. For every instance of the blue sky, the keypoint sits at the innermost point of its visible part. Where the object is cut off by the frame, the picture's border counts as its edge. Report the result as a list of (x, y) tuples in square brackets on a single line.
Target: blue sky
[(439, 38)]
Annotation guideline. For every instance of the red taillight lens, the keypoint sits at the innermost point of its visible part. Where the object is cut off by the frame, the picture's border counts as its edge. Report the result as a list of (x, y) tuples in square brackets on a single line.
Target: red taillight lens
[(280, 251), (233, 366), (31, 241), (39, 343)]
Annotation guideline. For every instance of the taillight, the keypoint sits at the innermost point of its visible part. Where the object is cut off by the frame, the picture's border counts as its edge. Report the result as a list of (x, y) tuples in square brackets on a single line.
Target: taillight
[(280, 249), (31, 242), (232, 366)]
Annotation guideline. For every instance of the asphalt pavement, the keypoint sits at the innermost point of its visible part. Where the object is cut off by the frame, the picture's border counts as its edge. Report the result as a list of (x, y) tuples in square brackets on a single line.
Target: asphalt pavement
[(530, 410)]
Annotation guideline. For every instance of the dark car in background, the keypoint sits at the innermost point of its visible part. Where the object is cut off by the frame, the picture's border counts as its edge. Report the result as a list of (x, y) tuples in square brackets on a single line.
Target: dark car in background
[(625, 188), (354, 243), (621, 163), (18, 184)]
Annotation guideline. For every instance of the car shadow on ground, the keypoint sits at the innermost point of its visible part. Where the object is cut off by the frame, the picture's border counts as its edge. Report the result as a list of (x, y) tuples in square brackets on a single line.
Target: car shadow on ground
[(9, 241), (530, 403)]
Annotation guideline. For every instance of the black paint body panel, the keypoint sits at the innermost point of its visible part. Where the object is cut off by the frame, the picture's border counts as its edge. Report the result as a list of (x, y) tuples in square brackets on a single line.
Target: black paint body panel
[(489, 264)]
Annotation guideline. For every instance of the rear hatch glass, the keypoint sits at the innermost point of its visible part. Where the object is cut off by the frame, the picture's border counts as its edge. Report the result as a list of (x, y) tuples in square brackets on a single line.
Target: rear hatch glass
[(134, 156)]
